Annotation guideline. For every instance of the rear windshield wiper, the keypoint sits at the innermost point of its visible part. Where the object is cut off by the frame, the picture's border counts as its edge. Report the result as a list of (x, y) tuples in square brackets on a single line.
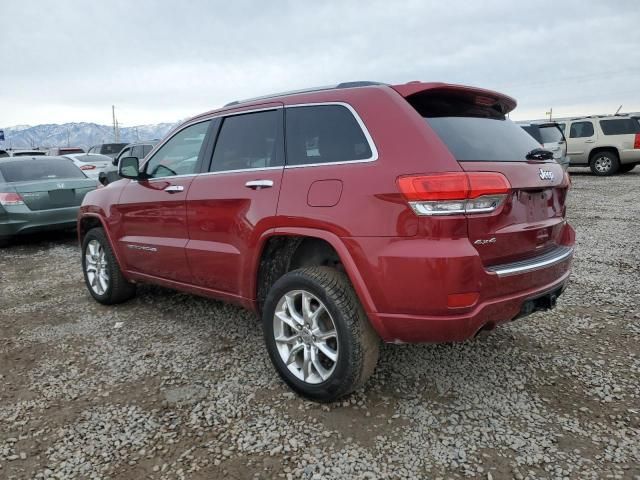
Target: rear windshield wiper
[(539, 154)]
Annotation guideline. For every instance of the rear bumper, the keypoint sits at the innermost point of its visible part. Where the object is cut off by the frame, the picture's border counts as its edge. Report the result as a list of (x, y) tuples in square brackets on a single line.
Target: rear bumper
[(19, 220), (401, 328), (411, 281)]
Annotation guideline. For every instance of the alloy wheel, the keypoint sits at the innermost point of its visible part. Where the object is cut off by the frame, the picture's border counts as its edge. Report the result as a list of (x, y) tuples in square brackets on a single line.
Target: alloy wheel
[(96, 267), (306, 336), (603, 164)]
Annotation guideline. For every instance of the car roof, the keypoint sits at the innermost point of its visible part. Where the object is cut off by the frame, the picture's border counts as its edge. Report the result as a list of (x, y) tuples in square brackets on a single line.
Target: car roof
[(312, 95), (35, 157)]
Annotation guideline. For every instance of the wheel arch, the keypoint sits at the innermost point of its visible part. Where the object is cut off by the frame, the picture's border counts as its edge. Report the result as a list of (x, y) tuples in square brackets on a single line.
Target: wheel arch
[(289, 241), (599, 149), (89, 221)]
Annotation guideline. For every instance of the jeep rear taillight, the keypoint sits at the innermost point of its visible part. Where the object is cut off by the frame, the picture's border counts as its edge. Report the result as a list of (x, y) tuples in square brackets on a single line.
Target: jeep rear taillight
[(454, 193), (10, 198), (636, 144)]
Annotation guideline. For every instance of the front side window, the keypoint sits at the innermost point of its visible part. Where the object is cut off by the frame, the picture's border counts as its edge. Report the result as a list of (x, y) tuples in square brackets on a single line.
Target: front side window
[(179, 155), (581, 130), (136, 151), (250, 140), (324, 134)]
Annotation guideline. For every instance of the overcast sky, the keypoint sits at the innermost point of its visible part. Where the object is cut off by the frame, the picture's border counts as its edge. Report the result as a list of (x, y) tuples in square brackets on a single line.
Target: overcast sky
[(160, 61)]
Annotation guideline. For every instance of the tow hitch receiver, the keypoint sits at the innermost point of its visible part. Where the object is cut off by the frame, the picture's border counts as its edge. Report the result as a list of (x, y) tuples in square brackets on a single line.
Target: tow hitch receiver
[(541, 303)]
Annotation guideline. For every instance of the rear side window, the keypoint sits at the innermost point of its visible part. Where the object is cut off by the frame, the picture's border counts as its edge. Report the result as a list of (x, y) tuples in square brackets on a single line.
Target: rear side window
[(551, 134), (111, 148), (32, 170), (250, 140), (324, 134), (621, 126), (581, 130), (473, 131)]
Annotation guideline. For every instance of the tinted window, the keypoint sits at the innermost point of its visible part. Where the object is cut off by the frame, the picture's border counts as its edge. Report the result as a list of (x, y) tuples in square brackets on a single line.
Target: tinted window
[(137, 151), (581, 129), (533, 131), (111, 148), (3, 153), (179, 155), (246, 141), (45, 169), (324, 134), (146, 149), (562, 126), (29, 154), (483, 139), (622, 126), (551, 134)]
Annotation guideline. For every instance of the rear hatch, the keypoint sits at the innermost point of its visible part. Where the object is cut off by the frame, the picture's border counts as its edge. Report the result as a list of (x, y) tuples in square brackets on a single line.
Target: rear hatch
[(46, 183), (527, 220)]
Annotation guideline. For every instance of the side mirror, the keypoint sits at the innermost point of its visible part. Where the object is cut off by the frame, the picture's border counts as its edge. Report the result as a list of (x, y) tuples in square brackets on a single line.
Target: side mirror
[(102, 178), (129, 167), (114, 162)]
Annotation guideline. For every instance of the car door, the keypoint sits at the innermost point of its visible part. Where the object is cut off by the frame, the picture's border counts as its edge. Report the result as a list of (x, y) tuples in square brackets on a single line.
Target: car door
[(153, 221), (233, 205), (581, 138)]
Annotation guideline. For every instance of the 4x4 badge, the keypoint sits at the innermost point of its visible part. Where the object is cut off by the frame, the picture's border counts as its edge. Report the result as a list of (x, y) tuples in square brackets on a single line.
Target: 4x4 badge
[(546, 175)]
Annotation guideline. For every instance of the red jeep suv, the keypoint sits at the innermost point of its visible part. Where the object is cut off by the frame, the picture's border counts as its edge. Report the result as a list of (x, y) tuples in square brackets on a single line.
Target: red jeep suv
[(344, 216)]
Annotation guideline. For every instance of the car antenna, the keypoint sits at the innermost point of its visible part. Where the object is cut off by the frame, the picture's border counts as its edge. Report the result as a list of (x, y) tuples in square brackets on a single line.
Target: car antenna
[(618, 110)]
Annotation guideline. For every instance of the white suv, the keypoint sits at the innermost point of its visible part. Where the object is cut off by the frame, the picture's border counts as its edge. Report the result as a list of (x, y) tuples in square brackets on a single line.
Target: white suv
[(607, 144)]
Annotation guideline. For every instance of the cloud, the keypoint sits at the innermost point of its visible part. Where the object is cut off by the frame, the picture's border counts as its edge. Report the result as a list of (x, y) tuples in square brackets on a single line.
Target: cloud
[(160, 60)]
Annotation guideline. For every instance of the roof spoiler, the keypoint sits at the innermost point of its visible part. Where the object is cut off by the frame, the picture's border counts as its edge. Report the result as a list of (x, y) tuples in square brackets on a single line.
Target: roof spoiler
[(485, 98)]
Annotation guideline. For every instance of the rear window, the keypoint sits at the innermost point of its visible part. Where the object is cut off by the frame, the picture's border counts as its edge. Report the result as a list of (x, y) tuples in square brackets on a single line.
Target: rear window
[(324, 134), (473, 131), (112, 148), (64, 151), (28, 154), (621, 126), (46, 169), (551, 134), (94, 157)]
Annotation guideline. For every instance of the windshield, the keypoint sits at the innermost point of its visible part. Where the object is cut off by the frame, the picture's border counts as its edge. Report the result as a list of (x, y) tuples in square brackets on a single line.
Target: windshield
[(33, 170)]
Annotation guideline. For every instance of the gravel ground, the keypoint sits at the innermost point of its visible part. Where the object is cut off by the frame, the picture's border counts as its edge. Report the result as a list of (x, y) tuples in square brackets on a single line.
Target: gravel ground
[(174, 386)]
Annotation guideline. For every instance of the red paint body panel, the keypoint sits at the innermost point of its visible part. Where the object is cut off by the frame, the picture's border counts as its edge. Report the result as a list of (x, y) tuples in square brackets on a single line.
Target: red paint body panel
[(209, 238)]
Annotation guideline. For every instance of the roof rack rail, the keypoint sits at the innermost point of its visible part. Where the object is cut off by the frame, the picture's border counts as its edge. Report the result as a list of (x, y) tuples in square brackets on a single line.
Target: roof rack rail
[(355, 84)]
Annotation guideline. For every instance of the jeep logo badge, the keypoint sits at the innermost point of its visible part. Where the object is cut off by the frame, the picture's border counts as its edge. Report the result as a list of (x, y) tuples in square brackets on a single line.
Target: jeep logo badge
[(546, 175)]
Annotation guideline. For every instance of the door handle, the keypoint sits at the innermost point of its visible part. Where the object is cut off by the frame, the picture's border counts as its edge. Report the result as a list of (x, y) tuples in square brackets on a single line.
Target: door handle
[(589, 141), (259, 184), (174, 189)]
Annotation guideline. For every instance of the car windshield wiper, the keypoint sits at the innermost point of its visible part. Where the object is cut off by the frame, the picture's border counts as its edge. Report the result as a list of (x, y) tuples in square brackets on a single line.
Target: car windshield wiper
[(539, 154)]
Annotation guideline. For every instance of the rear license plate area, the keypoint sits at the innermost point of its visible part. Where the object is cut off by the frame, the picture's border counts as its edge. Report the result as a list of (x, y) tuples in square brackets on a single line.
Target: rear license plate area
[(62, 197)]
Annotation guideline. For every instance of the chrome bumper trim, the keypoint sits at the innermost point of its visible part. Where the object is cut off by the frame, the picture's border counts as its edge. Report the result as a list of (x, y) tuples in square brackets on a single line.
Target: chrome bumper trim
[(555, 256)]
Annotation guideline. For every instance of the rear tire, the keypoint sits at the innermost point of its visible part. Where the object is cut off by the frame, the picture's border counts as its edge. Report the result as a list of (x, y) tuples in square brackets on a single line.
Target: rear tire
[(604, 163), (102, 273), (5, 242), (626, 168), (331, 335)]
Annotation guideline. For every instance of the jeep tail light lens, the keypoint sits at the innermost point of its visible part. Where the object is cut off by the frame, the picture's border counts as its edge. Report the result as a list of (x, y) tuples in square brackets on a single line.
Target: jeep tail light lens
[(10, 199), (454, 193), (636, 144)]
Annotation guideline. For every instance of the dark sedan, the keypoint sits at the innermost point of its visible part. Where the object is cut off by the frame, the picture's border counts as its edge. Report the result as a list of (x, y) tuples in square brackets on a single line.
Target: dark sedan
[(39, 193)]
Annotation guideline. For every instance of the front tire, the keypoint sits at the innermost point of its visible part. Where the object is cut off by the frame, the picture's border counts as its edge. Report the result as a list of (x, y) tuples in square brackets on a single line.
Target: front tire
[(102, 273), (317, 334), (604, 163)]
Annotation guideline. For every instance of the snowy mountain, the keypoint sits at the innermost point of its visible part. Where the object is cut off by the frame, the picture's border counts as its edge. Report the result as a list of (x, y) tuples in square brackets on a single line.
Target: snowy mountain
[(77, 134)]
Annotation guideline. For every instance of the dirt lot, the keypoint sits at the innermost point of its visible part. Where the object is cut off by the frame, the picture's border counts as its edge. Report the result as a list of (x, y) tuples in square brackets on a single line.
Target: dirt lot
[(174, 386)]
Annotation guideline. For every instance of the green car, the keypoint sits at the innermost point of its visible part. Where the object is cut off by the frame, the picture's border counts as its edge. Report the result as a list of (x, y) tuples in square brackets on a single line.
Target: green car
[(39, 193)]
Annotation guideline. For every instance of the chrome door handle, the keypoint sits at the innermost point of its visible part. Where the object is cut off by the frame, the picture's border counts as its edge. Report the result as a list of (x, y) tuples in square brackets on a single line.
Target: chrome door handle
[(174, 189), (258, 184), (589, 141)]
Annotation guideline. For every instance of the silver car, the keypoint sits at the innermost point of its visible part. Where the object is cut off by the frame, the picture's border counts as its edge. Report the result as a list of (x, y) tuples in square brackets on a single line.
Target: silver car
[(550, 136), (608, 144)]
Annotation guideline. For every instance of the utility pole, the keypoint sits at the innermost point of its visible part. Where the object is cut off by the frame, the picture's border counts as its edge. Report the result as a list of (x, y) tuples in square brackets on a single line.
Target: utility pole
[(68, 137), (116, 133), (550, 113)]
